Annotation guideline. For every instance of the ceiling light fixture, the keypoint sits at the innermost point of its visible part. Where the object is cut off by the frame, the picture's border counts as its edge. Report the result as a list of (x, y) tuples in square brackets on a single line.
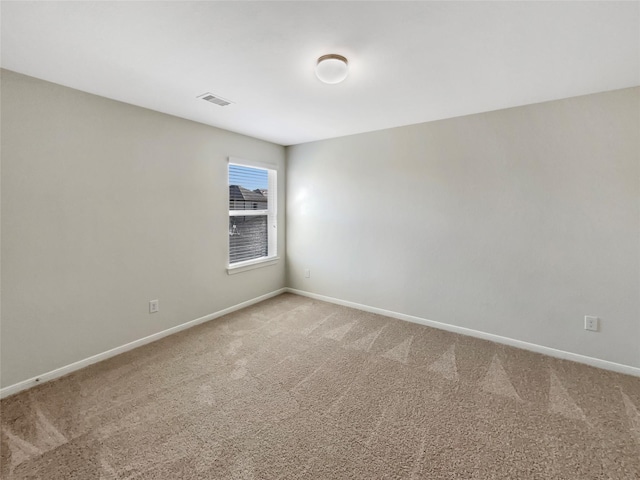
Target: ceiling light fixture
[(332, 68)]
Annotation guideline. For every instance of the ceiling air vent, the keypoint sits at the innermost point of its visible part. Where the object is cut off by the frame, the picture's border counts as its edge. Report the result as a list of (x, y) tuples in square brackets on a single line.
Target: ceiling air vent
[(211, 98)]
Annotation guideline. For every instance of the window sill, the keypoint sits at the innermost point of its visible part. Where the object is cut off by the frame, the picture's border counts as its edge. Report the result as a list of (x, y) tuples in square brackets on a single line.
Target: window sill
[(251, 264)]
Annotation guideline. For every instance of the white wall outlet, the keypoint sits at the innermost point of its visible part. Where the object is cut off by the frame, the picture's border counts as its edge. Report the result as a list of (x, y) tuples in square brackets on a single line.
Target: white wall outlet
[(591, 323), (154, 306), (307, 273)]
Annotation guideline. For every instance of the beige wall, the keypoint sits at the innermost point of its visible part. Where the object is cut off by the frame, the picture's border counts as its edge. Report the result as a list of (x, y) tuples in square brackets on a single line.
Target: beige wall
[(516, 222), (106, 206)]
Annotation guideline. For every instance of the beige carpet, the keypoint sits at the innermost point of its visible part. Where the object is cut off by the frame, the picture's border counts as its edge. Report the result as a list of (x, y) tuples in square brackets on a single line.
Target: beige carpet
[(296, 388)]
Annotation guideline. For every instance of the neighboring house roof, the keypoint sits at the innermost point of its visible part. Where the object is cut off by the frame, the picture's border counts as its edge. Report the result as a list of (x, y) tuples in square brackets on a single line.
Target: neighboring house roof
[(236, 192)]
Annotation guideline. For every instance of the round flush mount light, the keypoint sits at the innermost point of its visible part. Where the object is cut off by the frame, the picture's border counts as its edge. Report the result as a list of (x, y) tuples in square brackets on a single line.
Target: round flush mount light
[(332, 68)]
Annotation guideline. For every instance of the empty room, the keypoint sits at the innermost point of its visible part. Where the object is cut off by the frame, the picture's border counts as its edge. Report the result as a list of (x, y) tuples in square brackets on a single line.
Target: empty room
[(320, 240)]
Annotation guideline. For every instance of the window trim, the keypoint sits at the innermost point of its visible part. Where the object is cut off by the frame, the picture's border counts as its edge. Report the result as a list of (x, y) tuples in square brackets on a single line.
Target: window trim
[(272, 217), (239, 267)]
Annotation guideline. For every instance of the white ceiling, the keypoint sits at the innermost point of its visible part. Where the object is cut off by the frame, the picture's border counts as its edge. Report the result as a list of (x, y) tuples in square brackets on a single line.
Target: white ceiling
[(411, 62)]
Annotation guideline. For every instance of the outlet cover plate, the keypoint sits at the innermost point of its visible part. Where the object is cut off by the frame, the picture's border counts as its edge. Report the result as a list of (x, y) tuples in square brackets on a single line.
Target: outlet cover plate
[(154, 306), (591, 323)]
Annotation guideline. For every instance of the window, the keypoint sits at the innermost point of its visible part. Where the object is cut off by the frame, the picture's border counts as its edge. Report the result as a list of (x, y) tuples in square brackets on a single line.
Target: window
[(252, 214)]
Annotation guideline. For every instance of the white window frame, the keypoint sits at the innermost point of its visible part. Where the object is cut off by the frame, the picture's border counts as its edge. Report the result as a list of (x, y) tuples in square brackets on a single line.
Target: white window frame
[(272, 218)]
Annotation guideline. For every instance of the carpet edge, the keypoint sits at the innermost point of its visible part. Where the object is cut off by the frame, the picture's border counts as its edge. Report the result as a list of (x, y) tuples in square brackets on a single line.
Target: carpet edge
[(72, 367), (512, 342)]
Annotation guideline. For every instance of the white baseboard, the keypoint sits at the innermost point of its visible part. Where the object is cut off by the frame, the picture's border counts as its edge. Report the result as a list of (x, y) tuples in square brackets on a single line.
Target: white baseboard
[(59, 372), (552, 352)]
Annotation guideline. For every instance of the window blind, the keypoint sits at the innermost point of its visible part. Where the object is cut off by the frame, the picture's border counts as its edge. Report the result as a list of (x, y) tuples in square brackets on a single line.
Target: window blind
[(249, 213)]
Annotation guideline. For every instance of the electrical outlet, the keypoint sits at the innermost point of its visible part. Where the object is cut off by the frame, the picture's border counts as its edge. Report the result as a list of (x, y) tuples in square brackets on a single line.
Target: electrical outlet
[(154, 306), (591, 323), (307, 273)]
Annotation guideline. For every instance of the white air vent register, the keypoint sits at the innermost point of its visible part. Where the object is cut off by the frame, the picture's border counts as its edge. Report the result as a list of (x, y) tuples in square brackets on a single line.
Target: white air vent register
[(211, 98)]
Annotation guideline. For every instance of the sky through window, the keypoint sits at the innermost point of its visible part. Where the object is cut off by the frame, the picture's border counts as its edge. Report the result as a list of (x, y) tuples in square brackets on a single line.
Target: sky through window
[(248, 177)]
